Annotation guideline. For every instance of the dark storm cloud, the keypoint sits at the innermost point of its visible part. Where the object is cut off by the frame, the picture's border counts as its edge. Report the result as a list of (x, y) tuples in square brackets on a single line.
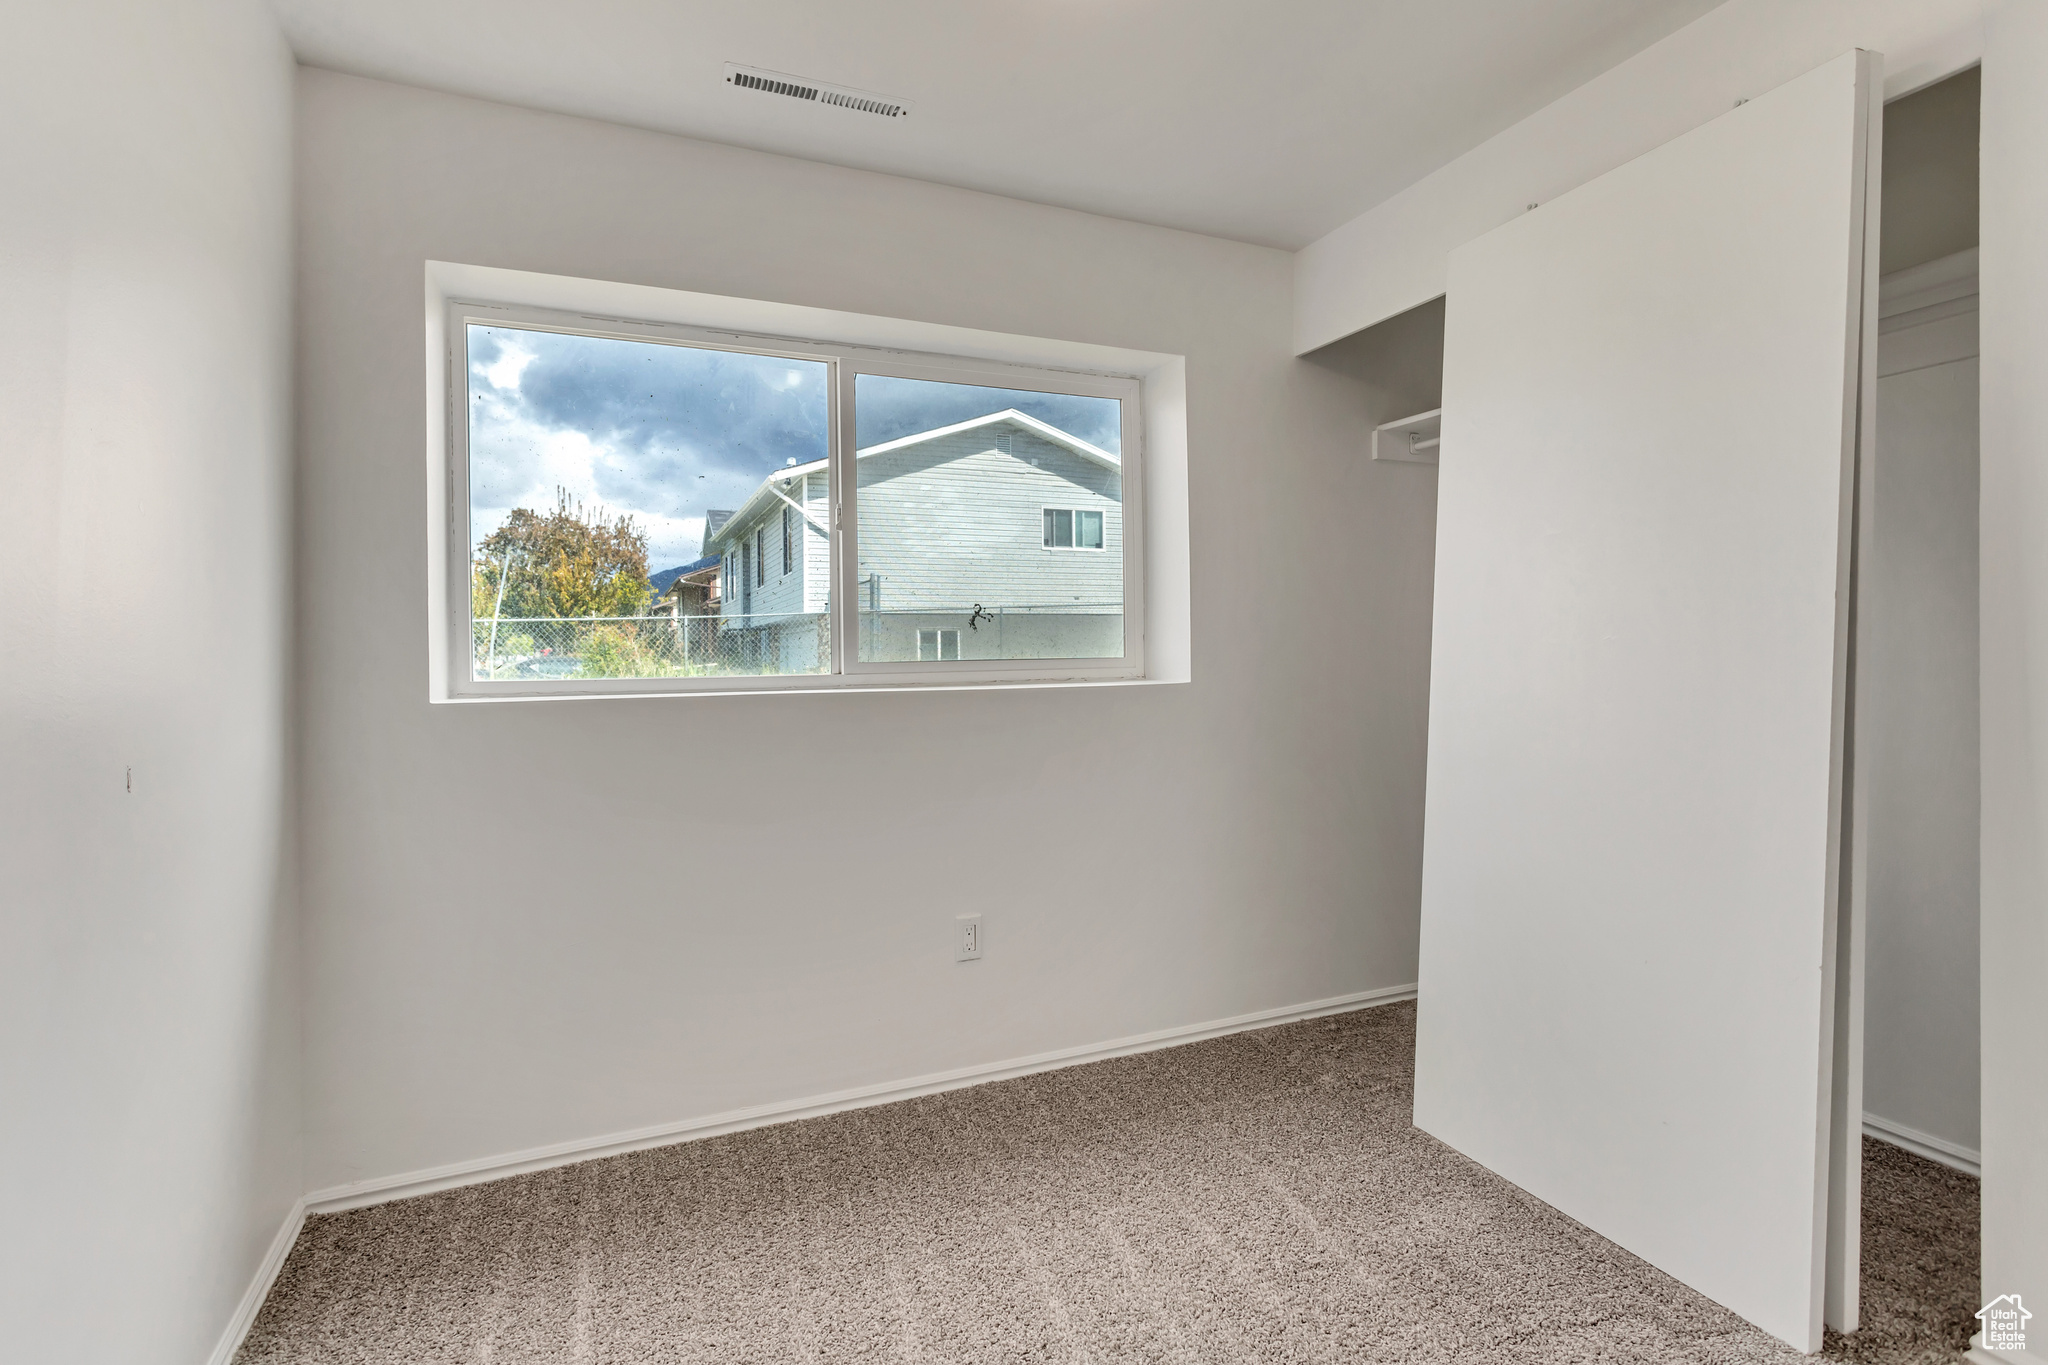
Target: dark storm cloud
[(675, 431), (682, 429), (886, 408)]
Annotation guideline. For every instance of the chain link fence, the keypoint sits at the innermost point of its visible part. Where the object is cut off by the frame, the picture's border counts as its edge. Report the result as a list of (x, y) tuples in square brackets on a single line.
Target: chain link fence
[(526, 648)]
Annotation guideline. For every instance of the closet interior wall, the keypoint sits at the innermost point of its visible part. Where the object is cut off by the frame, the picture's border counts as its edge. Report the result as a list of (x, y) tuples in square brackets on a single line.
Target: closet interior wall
[(1919, 733)]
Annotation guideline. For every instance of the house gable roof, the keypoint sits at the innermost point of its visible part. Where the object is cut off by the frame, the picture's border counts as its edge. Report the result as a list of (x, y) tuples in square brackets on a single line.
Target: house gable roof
[(1010, 416), (1014, 418)]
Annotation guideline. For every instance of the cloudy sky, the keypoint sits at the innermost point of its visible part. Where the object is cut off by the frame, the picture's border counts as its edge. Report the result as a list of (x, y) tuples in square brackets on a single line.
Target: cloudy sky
[(664, 433)]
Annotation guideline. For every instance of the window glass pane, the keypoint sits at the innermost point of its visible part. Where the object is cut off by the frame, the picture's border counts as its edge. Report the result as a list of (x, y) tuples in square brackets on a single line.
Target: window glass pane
[(620, 493), (953, 527), (1088, 530)]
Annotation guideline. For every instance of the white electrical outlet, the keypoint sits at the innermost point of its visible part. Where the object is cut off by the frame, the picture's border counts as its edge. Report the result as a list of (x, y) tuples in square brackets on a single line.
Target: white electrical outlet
[(967, 938)]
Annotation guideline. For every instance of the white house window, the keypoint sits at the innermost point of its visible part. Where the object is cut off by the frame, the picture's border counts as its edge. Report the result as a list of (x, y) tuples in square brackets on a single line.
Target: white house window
[(642, 564), (937, 646), (1073, 528)]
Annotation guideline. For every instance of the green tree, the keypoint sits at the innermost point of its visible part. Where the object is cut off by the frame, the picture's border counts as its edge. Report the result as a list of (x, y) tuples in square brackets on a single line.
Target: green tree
[(569, 562)]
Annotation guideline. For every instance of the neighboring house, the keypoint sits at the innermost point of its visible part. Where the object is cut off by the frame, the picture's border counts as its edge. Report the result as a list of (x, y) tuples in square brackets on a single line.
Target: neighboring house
[(774, 563), (693, 600), (694, 590), (1000, 537)]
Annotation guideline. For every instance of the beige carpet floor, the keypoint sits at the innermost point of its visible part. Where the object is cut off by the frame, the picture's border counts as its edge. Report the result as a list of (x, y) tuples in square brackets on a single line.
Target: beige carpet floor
[(1260, 1197), (1920, 1262)]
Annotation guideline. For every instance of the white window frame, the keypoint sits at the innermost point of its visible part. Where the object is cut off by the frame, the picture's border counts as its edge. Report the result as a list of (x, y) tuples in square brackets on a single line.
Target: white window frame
[(938, 643), (845, 362), (1075, 512)]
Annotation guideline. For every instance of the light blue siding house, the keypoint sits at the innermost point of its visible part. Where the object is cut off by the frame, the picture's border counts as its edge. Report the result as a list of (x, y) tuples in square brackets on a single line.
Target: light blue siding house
[(1000, 537)]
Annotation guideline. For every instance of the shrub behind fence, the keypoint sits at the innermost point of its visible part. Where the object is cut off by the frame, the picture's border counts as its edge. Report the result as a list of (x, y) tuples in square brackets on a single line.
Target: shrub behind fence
[(520, 649)]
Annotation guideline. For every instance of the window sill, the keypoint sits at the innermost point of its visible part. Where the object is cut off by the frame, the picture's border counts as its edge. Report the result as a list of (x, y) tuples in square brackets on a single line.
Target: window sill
[(824, 686)]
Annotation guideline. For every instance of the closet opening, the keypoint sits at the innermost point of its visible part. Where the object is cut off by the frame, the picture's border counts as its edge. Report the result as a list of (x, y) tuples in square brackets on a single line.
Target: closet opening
[(1916, 742), (1636, 809)]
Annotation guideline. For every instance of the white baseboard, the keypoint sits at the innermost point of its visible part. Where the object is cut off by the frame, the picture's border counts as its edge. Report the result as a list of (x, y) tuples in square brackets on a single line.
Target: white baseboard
[(1978, 1355), (387, 1188), (259, 1287), (1918, 1143)]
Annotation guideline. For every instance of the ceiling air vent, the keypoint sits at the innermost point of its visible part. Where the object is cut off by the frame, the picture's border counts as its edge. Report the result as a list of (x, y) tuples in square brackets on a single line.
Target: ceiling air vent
[(817, 92)]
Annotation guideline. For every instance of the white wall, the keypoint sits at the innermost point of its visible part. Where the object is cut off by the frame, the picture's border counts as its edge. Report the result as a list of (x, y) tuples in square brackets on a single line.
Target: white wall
[(149, 1120), (2013, 599), (502, 953), (1916, 729), (1916, 724), (1393, 257), (1930, 173)]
